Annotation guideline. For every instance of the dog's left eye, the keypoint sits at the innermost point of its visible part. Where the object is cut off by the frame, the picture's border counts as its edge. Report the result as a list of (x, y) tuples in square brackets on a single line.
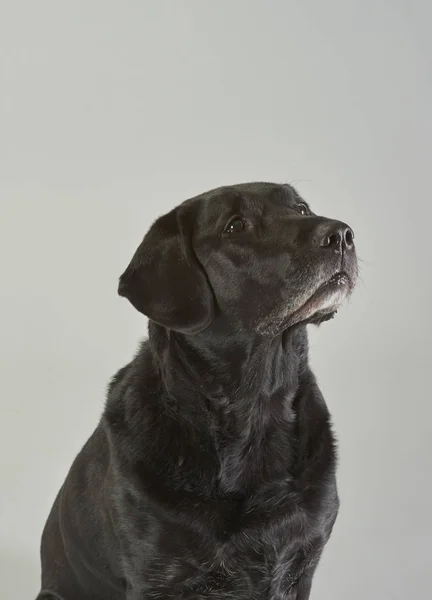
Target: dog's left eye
[(236, 225), (303, 209)]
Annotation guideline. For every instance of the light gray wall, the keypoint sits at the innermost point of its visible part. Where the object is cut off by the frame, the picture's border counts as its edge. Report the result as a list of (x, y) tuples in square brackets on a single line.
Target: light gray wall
[(112, 113)]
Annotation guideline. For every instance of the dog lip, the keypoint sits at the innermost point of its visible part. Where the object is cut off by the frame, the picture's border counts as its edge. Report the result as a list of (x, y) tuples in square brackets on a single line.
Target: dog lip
[(339, 278), (324, 301), (326, 298), (334, 285)]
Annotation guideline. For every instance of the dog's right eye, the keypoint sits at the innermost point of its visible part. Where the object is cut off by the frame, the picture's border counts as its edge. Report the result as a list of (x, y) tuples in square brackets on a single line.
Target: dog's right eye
[(236, 225)]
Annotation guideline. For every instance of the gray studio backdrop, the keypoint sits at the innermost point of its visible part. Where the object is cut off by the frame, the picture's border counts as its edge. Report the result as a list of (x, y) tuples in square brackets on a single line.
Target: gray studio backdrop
[(112, 113)]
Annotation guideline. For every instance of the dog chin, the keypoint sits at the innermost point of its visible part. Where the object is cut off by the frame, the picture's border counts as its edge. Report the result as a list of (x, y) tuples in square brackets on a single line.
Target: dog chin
[(322, 305)]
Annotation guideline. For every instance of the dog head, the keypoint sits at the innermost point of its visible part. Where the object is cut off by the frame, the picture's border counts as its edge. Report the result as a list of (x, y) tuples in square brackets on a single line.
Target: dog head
[(253, 254)]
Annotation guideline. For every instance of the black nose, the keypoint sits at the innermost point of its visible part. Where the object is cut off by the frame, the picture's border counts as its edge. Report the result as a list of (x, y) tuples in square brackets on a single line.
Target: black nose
[(337, 236)]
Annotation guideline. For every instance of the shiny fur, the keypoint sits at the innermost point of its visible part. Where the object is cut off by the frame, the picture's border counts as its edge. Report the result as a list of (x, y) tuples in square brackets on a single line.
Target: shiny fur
[(211, 474)]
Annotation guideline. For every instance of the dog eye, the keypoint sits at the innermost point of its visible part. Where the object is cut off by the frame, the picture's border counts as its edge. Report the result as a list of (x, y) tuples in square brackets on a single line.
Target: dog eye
[(303, 208), (237, 225)]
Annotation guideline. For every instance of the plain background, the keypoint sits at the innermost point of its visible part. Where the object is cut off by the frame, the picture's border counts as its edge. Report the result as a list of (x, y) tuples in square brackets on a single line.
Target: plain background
[(114, 112)]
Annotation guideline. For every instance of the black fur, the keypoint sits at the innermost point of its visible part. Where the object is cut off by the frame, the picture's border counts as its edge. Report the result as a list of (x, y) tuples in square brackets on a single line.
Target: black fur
[(212, 472)]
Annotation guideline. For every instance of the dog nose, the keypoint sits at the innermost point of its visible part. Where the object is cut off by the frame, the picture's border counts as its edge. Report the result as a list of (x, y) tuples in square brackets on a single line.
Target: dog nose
[(338, 237)]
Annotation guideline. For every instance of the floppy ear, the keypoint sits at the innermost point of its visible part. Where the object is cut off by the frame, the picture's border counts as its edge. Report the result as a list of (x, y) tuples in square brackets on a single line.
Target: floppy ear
[(164, 279)]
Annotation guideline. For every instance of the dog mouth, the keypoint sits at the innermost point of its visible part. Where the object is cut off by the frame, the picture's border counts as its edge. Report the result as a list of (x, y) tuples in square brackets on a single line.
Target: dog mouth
[(324, 302)]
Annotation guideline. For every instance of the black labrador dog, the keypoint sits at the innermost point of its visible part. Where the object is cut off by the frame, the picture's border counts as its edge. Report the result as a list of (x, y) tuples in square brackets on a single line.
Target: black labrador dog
[(211, 474)]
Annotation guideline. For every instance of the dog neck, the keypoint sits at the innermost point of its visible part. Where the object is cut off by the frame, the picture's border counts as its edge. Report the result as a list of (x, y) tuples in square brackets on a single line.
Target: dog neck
[(244, 387), (223, 364)]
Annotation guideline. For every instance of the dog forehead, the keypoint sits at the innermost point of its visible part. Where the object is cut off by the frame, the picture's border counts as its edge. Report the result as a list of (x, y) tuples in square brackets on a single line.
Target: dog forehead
[(254, 189), (254, 196)]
